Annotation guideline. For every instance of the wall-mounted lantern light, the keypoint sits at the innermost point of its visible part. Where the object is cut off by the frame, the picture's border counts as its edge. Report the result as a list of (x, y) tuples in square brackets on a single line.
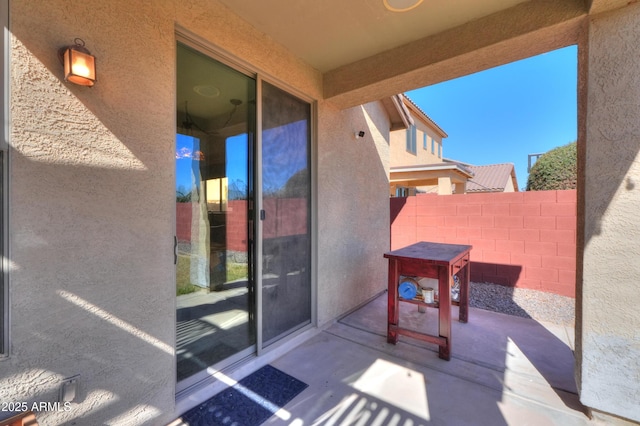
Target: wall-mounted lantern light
[(401, 5), (79, 64)]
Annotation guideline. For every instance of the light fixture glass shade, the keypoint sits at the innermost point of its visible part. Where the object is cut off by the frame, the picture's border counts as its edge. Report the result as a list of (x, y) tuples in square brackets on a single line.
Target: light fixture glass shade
[(401, 5), (79, 66)]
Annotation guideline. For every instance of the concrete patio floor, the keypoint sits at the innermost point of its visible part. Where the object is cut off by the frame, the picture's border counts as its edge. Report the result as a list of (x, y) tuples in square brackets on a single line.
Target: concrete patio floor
[(505, 370)]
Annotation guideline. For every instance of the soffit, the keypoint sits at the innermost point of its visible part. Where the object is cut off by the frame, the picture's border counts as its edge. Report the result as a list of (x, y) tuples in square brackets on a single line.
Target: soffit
[(329, 34), (418, 175)]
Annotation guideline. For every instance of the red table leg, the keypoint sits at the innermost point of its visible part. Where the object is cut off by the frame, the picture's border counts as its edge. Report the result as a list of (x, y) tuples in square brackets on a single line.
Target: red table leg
[(444, 311), (465, 277), (393, 311)]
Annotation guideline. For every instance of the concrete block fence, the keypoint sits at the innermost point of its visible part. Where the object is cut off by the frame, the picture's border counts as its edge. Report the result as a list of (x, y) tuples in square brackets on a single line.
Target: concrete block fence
[(519, 239), (286, 217)]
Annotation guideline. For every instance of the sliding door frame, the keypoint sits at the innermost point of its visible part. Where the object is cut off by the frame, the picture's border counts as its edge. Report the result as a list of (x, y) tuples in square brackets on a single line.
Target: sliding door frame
[(263, 78), (5, 317), (194, 41)]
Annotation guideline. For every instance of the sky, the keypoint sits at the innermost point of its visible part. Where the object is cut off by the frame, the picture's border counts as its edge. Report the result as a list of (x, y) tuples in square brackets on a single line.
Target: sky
[(503, 114), (188, 154), (282, 155)]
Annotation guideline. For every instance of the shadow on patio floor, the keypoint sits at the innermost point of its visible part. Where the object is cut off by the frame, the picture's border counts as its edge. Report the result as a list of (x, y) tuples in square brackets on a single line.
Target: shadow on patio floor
[(505, 370)]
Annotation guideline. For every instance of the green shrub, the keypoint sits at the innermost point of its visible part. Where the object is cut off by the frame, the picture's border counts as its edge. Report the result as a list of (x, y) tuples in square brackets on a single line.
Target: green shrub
[(556, 169)]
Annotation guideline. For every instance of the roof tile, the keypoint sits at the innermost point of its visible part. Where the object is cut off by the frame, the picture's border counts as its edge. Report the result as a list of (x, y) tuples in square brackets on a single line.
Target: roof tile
[(491, 178)]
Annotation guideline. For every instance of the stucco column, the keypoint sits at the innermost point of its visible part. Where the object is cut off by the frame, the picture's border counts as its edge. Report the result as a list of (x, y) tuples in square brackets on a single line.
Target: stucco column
[(608, 364), (461, 187), (444, 185)]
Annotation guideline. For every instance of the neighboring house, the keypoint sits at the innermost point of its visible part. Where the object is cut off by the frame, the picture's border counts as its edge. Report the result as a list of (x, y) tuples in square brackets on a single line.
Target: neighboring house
[(420, 141), (199, 92), (418, 165), (493, 178), (490, 177), (416, 152), (442, 178)]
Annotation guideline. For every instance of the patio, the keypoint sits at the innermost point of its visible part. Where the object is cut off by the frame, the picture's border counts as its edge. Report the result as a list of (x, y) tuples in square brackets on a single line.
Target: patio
[(504, 370)]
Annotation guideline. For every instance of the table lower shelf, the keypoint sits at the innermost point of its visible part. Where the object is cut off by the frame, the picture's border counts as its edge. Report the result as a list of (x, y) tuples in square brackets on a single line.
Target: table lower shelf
[(419, 301), (394, 330)]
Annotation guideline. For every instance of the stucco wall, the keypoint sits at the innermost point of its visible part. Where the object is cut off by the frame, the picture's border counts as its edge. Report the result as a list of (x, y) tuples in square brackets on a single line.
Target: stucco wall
[(91, 214), (609, 366), (509, 185), (93, 203), (351, 172), (401, 157)]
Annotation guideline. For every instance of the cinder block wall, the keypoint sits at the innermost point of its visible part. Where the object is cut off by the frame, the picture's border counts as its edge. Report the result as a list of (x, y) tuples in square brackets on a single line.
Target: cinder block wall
[(519, 239)]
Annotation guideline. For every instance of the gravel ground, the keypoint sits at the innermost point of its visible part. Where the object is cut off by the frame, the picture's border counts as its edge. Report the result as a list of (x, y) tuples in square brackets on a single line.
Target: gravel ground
[(524, 303)]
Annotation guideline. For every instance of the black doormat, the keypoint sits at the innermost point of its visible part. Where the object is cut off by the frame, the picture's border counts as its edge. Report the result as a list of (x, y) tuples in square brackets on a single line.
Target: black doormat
[(249, 403)]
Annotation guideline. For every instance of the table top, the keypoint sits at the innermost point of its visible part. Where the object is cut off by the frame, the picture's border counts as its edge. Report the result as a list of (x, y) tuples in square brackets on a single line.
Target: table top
[(439, 253)]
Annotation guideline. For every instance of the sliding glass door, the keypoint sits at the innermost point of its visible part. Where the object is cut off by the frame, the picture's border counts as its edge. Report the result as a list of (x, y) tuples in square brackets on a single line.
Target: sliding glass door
[(243, 217), (214, 199), (286, 224)]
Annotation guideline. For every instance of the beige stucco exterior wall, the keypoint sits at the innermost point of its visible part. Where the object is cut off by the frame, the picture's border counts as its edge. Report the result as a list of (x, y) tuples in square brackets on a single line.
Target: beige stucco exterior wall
[(93, 204), (401, 157), (91, 188), (608, 361), (509, 185), (352, 268)]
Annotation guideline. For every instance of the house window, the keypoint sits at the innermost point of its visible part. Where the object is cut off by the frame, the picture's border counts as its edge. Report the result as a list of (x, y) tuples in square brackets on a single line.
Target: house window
[(403, 191), (425, 141), (411, 139), (433, 146), (439, 150)]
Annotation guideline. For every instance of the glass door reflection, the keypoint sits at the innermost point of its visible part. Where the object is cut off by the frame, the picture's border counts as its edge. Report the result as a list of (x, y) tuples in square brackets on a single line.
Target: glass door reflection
[(214, 192), (286, 201)]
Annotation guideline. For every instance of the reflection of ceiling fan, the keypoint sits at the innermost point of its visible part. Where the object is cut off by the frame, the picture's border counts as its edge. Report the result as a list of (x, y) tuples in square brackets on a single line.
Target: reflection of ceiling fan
[(236, 103), (190, 124)]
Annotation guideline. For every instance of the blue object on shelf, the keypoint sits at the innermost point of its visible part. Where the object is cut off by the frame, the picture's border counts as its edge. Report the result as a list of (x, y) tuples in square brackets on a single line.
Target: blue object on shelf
[(407, 290)]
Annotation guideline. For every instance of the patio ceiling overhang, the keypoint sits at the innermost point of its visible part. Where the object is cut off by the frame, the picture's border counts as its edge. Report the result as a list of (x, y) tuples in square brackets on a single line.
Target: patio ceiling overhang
[(367, 52), (427, 175)]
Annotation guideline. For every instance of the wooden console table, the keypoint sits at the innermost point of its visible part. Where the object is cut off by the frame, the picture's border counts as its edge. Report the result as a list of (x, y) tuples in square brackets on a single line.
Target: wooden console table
[(430, 260)]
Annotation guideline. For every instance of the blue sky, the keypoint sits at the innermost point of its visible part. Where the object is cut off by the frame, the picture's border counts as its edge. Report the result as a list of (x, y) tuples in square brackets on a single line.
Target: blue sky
[(282, 157), (187, 150), (505, 113)]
